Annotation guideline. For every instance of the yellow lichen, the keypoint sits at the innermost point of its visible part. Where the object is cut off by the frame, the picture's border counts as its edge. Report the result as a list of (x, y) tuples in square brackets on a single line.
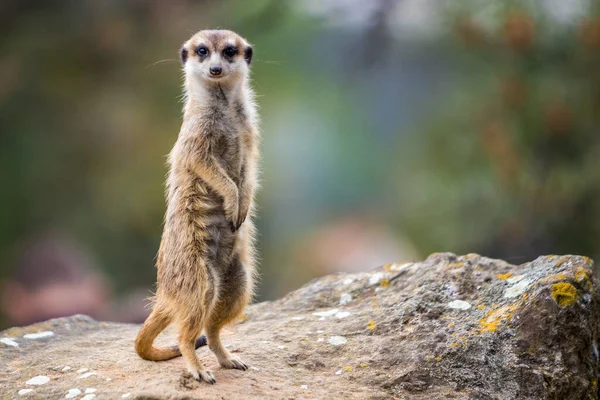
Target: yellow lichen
[(451, 324), (348, 368), (504, 276), (489, 326), (371, 325), (364, 365), (453, 344), (493, 318), (481, 306), (384, 283), (438, 359), (563, 293)]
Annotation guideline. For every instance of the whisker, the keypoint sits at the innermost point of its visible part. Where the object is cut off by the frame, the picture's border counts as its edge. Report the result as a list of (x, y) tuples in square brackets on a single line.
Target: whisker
[(161, 61), (270, 62)]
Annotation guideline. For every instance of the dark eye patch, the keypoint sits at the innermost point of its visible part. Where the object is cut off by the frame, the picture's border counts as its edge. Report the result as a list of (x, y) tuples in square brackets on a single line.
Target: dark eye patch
[(230, 51)]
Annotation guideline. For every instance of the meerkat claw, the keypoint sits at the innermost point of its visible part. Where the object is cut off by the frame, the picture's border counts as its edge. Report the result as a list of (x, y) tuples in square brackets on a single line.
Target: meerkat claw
[(206, 376), (238, 225), (233, 363)]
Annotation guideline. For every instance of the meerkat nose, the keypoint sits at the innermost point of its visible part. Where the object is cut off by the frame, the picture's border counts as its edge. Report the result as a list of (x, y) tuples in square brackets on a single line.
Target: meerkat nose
[(215, 70)]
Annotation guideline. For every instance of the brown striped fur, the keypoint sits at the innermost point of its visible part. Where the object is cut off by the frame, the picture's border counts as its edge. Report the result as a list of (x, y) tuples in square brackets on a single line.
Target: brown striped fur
[(205, 261)]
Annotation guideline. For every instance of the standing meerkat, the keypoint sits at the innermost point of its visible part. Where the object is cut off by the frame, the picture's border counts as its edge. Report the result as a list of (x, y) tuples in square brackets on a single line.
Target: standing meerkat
[(206, 257)]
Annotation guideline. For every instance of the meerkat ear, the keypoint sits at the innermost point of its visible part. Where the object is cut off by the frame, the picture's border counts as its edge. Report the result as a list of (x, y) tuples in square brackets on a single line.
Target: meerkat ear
[(248, 54), (184, 55)]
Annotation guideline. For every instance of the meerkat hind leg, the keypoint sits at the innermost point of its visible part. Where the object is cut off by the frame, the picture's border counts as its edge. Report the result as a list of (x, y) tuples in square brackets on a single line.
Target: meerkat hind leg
[(187, 345), (231, 304), (226, 359)]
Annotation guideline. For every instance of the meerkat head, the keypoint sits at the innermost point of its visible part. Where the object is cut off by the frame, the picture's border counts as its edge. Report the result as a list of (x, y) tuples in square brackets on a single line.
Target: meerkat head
[(216, 56)]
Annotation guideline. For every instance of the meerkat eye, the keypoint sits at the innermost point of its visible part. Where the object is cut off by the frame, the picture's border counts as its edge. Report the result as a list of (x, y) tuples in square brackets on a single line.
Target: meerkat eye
[(202, 51), (230, 51)]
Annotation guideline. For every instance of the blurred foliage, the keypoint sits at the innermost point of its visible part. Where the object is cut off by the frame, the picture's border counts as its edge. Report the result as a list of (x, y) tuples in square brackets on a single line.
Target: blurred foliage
[(391, 128), (511, 166)]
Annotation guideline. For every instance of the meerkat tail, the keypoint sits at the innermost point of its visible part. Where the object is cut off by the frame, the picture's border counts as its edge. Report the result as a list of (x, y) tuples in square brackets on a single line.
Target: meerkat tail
[(154, 325)]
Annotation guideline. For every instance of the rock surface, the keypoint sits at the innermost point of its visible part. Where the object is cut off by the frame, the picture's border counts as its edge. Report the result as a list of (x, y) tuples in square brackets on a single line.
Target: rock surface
[(447, 328)]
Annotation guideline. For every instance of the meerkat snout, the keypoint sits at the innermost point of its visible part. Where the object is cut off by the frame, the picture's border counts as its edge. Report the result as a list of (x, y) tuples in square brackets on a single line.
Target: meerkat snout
[(216, 70)]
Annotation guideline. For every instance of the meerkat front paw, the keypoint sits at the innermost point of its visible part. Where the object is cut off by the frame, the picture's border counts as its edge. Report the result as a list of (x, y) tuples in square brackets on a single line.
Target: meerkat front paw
[(232, 214), (243, 213), (233, 363), (240, 221)]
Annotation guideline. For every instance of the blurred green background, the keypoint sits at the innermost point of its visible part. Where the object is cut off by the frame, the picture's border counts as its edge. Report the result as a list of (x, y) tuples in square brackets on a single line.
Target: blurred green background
[(391, 129)]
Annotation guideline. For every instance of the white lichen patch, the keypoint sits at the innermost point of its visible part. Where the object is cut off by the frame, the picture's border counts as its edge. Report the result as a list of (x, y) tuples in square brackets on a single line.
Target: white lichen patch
[(9, 342), (514, 279), (65, 369), (303, 387), (126, 395), (24, 392), (347, 281), (108, 379), (72, 393), (400, 267), (87, 375), (517, 289), (82, 370), (339, 372), (320, 331), (345, 298), (38, 380), (88, 397), (325, 314), (282, 347), (342, 314), (39, 335), (254, 368), (320, 340), (337, 340), (297, 318), (90, 390), (376, 278), (459, 305)]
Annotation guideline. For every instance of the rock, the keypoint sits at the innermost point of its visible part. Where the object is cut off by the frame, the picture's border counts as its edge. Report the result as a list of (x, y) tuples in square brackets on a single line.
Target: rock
[(529, 332)]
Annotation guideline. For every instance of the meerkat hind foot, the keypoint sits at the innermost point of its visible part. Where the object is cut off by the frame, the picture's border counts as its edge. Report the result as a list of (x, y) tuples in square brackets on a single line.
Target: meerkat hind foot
[(233, 362), (203, 375)]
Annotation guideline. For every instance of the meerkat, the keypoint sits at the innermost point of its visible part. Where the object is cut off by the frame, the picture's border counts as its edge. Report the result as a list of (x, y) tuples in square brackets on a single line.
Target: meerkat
[(205, 262)]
